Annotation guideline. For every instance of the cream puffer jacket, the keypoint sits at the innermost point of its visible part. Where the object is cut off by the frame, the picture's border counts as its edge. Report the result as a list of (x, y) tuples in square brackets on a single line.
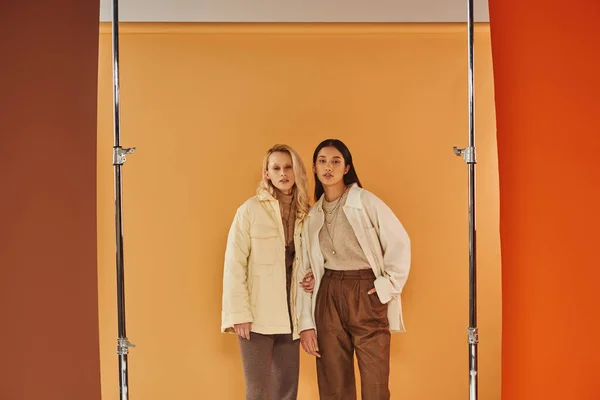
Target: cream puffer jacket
[(254, 278)]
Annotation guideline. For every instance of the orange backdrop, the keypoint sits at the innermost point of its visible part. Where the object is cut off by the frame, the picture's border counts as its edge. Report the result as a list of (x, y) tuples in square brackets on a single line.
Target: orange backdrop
[(202, 103), (546, 64)]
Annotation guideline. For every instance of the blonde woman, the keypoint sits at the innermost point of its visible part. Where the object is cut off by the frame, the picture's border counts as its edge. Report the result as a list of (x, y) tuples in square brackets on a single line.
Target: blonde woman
[(259, 284)]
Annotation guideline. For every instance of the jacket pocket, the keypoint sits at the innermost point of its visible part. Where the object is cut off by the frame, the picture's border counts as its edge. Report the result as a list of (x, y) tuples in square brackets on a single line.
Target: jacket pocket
[(264, 244), (254, 290), (261, 282)]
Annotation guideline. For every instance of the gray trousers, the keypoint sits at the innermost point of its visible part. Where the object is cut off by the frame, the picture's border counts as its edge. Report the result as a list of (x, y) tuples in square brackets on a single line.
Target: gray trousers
[(271, 366)]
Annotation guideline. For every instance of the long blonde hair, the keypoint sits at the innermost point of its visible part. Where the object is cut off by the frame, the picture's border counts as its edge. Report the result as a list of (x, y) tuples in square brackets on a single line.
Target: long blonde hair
[(300, 188)]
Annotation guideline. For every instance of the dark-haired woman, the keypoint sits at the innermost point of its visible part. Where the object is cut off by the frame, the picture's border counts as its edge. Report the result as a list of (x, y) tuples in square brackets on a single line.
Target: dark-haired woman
[(359, 254)]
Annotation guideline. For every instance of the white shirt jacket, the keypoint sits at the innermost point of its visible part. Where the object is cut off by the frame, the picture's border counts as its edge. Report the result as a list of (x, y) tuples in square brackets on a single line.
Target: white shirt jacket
[(384, 241)]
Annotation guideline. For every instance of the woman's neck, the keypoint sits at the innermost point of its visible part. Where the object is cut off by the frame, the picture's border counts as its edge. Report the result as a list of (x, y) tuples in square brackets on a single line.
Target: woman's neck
[(332, 193), (288, 192)]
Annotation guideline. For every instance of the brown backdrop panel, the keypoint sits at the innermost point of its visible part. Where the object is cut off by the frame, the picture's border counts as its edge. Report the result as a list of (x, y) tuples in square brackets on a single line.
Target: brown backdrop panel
[(48, 282)]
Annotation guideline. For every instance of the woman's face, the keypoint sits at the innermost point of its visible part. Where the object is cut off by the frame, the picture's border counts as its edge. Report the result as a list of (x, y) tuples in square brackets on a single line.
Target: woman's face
[(280, 171), (330, 166)]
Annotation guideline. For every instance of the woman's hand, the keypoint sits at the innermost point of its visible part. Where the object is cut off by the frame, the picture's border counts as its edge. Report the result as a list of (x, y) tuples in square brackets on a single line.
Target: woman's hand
[(308, 283), (308, 339), (243, 330), (372, 291)]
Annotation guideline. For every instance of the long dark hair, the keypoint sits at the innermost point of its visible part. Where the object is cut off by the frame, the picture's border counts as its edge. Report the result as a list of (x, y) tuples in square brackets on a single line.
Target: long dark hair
[(349, 178)]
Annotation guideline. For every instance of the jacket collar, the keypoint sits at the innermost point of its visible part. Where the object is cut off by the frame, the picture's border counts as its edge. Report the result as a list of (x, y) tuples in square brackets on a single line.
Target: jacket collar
[(352, 201), (264, 195)]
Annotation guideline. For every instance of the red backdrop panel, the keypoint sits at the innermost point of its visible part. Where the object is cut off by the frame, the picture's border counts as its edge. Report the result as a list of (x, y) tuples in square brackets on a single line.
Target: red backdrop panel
[(547, 82)]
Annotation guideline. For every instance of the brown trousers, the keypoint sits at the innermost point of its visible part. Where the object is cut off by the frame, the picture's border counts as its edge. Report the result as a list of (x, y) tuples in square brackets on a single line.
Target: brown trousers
[(348, 319), (271, 366)]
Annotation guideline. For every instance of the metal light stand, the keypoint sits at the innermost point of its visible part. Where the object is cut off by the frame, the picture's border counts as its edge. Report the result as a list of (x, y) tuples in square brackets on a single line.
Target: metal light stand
[(119, 154), (469, 156)]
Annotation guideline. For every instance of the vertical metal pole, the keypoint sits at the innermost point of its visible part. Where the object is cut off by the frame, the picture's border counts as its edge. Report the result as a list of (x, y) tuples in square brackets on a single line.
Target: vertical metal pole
[(469, 156), (119, 153)]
